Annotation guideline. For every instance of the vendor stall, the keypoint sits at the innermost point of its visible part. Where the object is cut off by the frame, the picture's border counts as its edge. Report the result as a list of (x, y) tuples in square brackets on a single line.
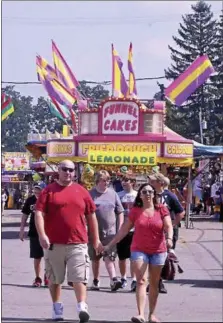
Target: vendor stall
[(122, 127), (123, 132)]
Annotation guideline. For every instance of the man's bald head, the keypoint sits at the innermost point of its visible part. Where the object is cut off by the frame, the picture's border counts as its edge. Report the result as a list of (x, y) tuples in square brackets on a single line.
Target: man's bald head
[(66, 171)]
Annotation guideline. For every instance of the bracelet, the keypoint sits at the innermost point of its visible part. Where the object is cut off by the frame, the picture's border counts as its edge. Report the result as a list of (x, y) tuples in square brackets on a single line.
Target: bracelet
[(169, 239)]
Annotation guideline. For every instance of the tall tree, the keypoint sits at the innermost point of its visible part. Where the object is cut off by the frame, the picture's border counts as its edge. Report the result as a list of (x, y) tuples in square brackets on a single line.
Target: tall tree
[(197, 35), (96, 92), (217, 82)]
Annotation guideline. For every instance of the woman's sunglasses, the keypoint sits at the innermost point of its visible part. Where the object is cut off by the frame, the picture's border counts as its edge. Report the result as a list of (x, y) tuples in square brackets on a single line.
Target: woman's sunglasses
[(144, 192)]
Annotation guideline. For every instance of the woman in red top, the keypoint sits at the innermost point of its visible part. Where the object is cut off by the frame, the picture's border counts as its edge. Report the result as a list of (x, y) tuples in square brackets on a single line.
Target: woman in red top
[(149, 246)]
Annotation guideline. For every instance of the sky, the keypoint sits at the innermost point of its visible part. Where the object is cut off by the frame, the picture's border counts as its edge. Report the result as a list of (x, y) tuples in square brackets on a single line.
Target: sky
[(84, 31)]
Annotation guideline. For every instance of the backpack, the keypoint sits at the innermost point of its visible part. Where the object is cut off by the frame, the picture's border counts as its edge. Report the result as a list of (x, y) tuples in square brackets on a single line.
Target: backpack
[(169, 268)]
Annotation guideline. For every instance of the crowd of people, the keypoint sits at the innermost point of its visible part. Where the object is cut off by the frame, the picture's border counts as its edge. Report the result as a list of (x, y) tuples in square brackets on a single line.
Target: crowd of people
[(18, 198), (72, 227), (207, 195)]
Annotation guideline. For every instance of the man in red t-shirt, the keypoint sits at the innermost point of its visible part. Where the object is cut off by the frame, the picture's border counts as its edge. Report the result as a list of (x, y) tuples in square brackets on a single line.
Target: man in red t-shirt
[(63, 211)]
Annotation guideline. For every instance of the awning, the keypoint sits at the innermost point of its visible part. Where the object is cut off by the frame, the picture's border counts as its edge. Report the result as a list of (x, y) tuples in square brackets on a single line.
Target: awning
[(207, 151)]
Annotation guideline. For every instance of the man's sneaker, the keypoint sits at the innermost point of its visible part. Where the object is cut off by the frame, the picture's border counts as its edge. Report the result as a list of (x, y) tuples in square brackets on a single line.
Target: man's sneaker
[(57, 312), (37, 282), (95, 285), (162, 288), (46, 281), (115, 285), (133, 286), (124, 282), (82, 309)]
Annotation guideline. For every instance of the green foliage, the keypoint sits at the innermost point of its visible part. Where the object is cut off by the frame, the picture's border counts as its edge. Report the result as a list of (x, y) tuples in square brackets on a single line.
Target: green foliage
[(97, 92)]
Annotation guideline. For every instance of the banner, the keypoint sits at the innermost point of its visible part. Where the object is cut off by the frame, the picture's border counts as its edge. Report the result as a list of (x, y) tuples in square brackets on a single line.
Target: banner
[(11, 179), (124, 147), (16, 161), (121, 158), (61, 148), (175, 150), (120, 118)]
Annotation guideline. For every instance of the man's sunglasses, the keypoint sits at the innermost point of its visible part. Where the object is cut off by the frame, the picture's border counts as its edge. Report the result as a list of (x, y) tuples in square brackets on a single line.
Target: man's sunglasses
[(144, 192), (65, 169)]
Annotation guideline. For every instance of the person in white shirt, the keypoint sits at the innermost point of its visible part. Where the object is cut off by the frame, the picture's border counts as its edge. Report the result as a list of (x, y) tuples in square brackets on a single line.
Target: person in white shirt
[(215, 188), (127, 197), (4, 199)]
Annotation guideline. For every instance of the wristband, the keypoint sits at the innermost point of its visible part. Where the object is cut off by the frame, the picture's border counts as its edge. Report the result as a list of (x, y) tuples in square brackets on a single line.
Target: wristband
[(169, 239)]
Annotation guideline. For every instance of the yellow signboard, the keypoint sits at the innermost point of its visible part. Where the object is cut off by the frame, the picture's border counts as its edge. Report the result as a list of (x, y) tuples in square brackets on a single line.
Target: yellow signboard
[(136, 147), (60, 149), (177, 150), (121, 158)]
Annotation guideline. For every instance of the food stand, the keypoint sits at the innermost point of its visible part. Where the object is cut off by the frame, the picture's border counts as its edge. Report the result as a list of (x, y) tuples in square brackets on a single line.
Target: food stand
[(16, 173), (123, 132)]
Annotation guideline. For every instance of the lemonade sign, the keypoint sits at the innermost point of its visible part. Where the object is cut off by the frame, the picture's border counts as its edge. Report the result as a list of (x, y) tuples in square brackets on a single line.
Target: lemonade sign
[(121, 158)]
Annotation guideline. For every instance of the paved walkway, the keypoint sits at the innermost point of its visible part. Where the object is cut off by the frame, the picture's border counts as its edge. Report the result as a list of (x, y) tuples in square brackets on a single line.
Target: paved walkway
[(195, 295)]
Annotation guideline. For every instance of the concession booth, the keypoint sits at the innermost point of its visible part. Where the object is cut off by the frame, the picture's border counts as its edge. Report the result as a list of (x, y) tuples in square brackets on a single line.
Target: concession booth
[(122, 135)]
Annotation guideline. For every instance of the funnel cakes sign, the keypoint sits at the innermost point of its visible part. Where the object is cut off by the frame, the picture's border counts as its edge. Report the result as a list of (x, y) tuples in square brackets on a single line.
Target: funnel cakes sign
[(120, 118)]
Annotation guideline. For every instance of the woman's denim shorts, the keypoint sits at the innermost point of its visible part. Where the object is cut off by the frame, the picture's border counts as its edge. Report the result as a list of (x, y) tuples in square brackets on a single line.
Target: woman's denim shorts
[(154, 259)]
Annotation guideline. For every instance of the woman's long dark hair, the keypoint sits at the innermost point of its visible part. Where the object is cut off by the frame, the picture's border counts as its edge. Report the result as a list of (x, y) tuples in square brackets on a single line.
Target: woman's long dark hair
[(138, 201)]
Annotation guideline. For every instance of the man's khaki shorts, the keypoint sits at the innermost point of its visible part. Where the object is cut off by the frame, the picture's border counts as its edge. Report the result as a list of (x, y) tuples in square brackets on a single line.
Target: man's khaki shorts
[(73, 257)]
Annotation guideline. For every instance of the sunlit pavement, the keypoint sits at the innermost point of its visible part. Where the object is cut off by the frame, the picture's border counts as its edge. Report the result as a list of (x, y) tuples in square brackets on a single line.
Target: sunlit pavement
[(194, 296)]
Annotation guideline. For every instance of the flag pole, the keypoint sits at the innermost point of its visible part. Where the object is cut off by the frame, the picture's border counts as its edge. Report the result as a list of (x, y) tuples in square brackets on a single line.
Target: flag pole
[(113, 62)]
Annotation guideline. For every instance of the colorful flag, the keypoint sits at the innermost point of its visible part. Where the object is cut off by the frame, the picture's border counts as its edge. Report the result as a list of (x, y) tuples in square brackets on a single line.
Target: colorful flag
[(119, 84), (58, 111), (73, 120), (42, 62), (7, 107), (44, 78), (187, 83), (132, 80), (64, 73), (54, 88)]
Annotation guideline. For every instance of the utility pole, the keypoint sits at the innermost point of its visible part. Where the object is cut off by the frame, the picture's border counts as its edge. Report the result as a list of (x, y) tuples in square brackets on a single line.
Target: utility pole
[(202, 106), (201, 116)]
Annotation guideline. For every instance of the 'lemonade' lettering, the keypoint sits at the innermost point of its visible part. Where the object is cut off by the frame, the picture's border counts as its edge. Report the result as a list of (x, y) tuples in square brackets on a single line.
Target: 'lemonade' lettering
[(113, 159), (107, 159)]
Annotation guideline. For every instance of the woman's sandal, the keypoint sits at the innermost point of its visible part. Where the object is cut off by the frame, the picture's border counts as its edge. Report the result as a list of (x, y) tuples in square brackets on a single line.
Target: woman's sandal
[(136, 319)]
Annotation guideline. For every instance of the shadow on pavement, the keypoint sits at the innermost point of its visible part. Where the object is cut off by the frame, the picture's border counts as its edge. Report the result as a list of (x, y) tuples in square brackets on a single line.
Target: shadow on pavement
[(102, 289), (9, 235), (10, 224), (199, 283), (19, 285), (11, 319)]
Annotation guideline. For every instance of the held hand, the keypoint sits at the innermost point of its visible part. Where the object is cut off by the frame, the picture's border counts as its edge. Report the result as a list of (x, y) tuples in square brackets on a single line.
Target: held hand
[(98, 247), (22, 235), (106, 248), (44, 242), (169, 243)]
